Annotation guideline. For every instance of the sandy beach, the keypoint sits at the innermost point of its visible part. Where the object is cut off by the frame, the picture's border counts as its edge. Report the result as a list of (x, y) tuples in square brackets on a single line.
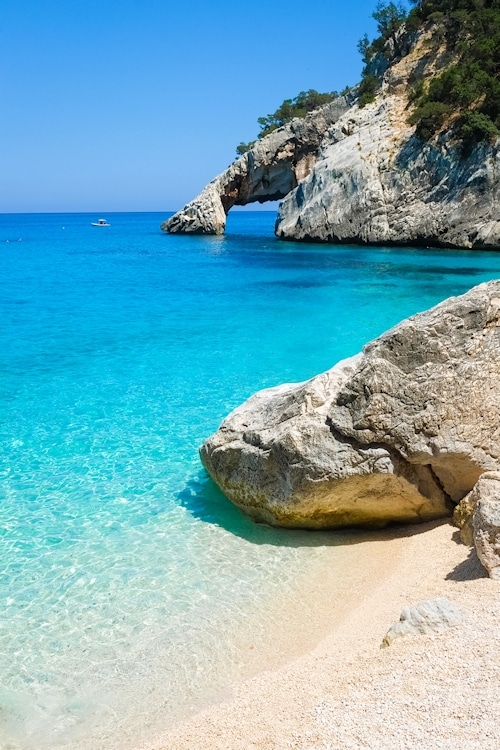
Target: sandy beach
[(339, 689)]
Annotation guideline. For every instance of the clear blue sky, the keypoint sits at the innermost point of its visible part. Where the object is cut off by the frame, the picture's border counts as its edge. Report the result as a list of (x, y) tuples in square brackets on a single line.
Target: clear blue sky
[(135, 106)]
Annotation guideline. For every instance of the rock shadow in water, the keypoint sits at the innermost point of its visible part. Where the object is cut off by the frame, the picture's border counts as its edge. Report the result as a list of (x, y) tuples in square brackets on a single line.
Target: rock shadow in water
[(202, 498)]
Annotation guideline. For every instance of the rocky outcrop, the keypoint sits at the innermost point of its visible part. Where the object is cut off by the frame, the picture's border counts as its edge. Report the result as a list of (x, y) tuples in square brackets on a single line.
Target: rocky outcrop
[(401, 432), (360, 175), (486, 523), (381, 186), (462, 514), (425, 618), (269, 171), (478, 517)]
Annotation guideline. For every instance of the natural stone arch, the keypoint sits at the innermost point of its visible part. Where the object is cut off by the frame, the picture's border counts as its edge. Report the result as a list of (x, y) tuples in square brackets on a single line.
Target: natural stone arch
[(269, 171)]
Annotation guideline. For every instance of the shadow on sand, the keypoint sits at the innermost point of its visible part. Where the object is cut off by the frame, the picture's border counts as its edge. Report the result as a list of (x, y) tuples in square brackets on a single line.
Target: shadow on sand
[(469, 569)]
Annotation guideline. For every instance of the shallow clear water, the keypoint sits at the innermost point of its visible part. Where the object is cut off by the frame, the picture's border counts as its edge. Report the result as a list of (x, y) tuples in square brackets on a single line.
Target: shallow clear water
[(130, 589)]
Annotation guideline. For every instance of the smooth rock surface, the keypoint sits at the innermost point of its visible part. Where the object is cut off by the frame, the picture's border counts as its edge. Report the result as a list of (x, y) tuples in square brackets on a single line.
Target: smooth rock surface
[(401, 432), (486, 522), (430, 616)]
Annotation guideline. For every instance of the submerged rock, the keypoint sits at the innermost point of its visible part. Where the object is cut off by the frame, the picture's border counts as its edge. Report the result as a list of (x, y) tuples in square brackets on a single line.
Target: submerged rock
[(401, 432), (430, 616)]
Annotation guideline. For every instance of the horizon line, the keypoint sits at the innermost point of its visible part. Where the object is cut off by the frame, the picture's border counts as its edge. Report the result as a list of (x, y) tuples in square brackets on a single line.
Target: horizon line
[(26, 213)]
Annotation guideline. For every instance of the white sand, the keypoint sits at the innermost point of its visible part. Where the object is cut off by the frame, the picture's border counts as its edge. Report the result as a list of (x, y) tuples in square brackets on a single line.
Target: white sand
[(433, 691)]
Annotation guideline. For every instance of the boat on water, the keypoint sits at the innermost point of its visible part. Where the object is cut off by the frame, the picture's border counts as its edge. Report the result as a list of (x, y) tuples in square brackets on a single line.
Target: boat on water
[(100, 223)]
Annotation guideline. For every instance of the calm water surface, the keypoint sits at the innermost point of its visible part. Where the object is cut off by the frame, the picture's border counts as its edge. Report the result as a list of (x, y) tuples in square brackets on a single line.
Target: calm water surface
[(129, 588)]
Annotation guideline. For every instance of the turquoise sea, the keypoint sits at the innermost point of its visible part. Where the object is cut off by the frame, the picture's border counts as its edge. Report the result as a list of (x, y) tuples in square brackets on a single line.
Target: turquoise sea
[(131, 591)]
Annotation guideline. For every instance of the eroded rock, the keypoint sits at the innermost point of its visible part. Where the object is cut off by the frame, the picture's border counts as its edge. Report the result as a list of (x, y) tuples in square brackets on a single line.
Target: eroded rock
[(431, 616), (462, 516), (486, 522), (401, 432), (382, 185), (360, 175), (269, 171)]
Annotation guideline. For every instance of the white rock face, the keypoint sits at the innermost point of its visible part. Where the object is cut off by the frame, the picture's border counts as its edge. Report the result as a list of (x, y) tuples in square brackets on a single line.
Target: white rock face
[(375, 182), (400, 432), (427, 617), (269, 171), (351, 175), (486, 522), (379, 184)]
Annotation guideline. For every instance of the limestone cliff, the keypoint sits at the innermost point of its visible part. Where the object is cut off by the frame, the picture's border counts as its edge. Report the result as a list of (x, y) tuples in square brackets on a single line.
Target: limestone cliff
[(269, 171), (360, 175)]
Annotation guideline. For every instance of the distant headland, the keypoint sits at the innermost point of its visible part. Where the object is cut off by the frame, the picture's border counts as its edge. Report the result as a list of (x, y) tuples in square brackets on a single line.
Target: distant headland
[(410, 156)]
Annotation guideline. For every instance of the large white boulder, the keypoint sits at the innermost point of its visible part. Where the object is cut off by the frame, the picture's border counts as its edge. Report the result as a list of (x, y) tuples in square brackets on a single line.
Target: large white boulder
[(401, 432)]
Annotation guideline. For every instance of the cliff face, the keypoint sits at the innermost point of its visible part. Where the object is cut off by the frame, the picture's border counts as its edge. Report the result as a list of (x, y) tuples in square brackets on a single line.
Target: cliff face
[(360, 175), (269, 171), (376, 182)]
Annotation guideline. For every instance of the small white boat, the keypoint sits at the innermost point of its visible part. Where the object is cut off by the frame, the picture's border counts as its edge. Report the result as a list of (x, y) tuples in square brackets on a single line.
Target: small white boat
[(100, 223)]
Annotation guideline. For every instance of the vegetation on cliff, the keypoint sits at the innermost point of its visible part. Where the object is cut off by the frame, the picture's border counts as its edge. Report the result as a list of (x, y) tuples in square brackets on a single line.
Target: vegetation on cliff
[(465, 95), (389, 20), (303, 103)]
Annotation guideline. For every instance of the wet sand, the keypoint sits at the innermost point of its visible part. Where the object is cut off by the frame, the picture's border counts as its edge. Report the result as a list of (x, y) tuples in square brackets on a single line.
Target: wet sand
[(324, 682)]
